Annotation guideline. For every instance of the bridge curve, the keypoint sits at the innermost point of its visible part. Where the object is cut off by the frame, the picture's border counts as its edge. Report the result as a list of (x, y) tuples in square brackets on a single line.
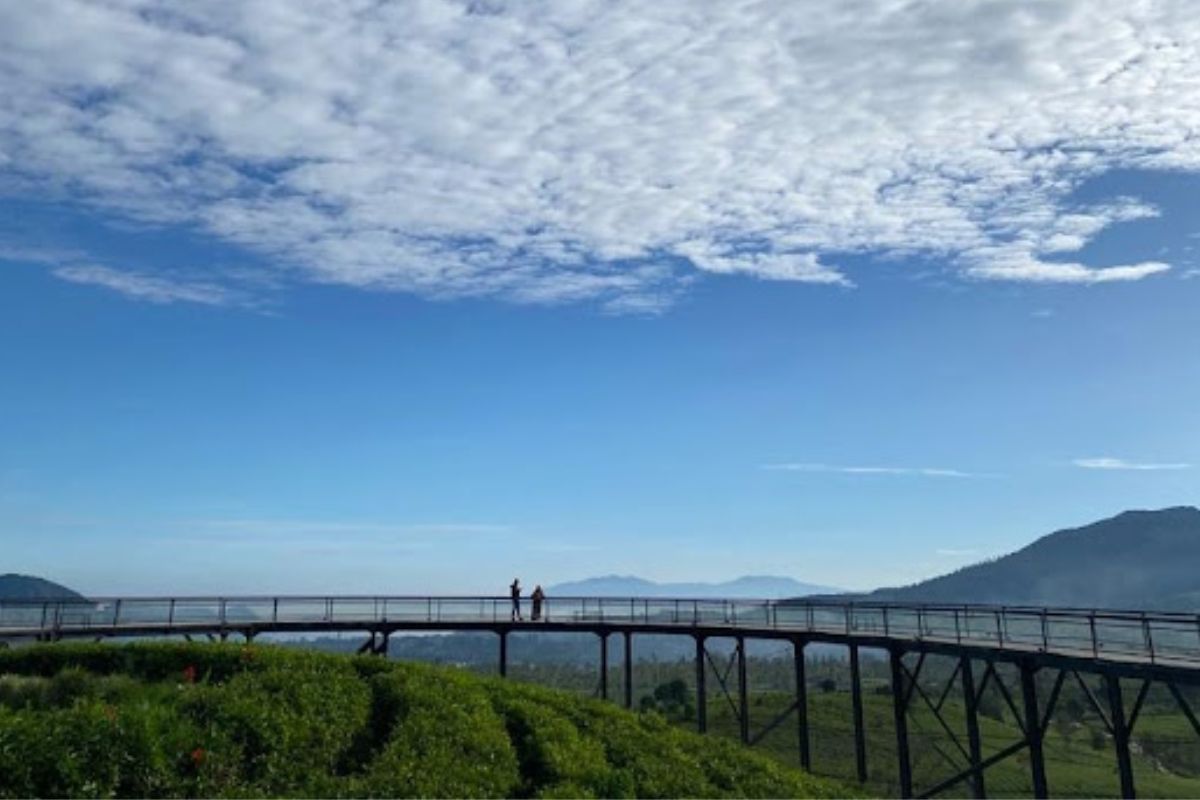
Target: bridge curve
[(1117, 645)]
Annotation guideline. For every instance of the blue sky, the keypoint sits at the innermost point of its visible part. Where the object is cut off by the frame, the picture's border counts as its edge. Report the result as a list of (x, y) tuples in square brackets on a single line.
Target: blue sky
[(264, 332)]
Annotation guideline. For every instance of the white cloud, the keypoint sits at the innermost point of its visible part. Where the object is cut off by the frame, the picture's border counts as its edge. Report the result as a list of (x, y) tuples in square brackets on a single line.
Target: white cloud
[(255, 527), (151, 288), (548, 152), (1107, 462), (928, 472)]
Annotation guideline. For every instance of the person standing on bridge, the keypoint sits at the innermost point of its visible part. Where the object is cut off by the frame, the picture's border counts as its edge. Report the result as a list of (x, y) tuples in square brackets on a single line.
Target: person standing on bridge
[(515, 591), (537, 597)]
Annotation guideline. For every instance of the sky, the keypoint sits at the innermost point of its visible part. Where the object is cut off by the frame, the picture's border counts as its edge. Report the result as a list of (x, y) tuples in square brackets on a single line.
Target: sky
[(415, 297)]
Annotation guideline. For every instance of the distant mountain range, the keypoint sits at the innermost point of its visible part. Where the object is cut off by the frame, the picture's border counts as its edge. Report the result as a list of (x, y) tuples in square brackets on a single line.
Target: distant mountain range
[(27, 587), (1135, 560), (757, 587)]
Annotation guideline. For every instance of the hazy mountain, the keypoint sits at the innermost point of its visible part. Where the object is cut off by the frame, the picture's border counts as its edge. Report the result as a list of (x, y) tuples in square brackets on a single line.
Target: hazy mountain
[(27, 587), (757, 587), (1136, 560)]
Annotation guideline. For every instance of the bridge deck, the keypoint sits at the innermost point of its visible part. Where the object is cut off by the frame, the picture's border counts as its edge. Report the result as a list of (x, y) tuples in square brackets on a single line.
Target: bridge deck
[(1119, 638)]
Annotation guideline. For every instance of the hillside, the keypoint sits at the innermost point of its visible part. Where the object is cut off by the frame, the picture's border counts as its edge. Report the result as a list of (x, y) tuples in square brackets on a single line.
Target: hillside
[(169, 720), (757, 587), (1138, 559), (27, 587)]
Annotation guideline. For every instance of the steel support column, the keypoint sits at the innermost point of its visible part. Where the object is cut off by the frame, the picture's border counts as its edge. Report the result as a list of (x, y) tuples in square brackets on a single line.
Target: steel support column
[(1033, 730), (743, 693), (1120, 732), (971, 703), (801, 703), (860, 739), (628, 669), (701, 688), (603, 666), (503, 653), (900, 717)]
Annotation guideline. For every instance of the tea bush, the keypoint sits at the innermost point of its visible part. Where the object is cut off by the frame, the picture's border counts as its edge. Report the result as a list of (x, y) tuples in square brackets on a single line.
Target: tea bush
[(172, 720)]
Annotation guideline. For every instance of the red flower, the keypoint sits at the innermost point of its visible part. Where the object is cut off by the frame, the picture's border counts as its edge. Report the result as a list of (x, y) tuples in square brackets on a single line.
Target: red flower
[(198, 757), (189, 674)]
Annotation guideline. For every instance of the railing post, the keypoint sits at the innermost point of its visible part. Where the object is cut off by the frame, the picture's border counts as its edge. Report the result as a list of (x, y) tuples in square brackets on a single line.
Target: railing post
[(957, 628), (860, 740), (1045, 632), (920, 623), (848, 613), (1095, 640), (1116, 710), (900, 719), (1033, 730), (221, 611), (885, 621), (999, 627), (171, 613), (701, 688), (974, 743), (274, 610), (801, 703), (1147, 636), (116, 612)]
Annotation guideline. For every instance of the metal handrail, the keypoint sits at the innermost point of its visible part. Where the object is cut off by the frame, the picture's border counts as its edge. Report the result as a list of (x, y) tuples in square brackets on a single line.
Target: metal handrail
[(1149, 635)]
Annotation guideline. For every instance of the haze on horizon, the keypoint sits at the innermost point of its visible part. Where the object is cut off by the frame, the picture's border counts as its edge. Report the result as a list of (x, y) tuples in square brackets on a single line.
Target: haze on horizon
[(412, 298)]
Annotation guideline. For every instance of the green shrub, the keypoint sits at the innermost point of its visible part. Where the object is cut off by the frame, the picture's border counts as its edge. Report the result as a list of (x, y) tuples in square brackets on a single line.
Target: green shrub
[(171, 720), (443, 739)]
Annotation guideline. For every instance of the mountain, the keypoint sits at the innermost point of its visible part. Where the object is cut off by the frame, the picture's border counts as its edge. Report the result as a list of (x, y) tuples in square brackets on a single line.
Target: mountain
[(27, 587), (756, 587), (1135, 560)]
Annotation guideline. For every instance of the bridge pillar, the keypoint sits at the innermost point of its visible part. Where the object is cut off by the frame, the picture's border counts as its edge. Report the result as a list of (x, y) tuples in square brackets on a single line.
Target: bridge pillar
[(384, 641), (743, 694), (701, 688), (900, 716), (971, 702), (1033, 730), (603, 665), (801, 703), (503, 653), (860, 741), (628, 669), (1120, 731)]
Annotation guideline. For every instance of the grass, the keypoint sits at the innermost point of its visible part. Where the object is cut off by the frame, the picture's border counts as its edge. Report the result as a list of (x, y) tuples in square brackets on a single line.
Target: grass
[(174, 720)]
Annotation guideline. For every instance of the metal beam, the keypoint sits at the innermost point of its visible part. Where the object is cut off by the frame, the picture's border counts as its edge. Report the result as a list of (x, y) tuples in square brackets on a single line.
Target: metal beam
[(974, 745), (856, 707), (1033, 730), (801, 703), (1120, 731), (603, 665), (701, 688), (628, 669), (743, 693), (900, 717), (503, 653)]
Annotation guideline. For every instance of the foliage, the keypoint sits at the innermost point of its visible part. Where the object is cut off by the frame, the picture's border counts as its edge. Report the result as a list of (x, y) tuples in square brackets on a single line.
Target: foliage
[(168, 720)]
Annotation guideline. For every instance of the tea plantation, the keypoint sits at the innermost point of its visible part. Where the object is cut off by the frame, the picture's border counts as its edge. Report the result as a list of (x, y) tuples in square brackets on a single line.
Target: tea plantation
[(173, 720)]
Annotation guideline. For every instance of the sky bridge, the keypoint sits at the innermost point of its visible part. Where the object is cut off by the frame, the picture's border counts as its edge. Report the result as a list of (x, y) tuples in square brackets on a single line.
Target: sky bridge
[(1128, 650)]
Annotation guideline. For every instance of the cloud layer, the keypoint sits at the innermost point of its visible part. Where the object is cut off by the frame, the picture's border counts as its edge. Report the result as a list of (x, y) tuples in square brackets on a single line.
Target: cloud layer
[(927, 472), (607, 151), (1108, 462)]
